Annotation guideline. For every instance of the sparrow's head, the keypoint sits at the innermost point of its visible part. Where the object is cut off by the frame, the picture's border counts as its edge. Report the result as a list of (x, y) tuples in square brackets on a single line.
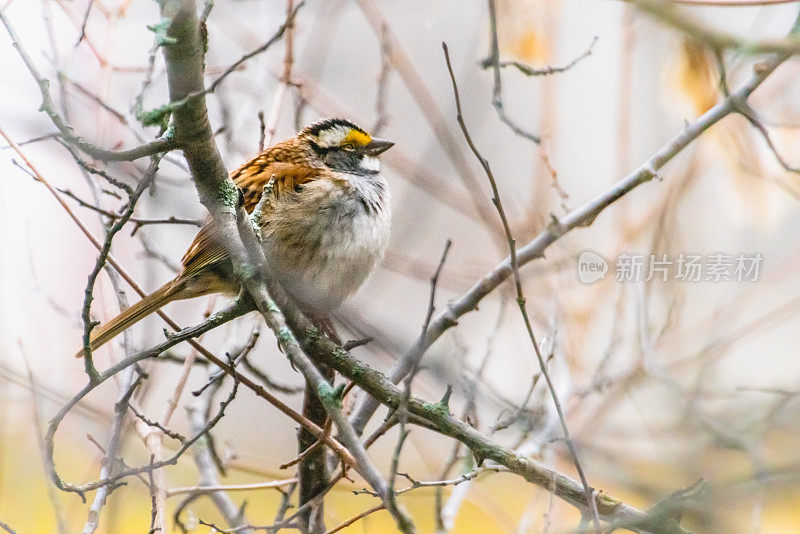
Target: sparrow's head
[(345, 147)]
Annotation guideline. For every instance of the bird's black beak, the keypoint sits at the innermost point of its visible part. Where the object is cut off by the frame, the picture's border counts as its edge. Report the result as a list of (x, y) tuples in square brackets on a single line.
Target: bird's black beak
[(376, 147)]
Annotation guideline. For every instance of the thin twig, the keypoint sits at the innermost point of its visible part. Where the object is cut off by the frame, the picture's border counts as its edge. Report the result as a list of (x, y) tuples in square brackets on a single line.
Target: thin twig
[(115, 477), (749, 113), (527, 70), (271, 124), (155, 424), (269, 381), (512, 246), (36, 139), (137, 222), (309, 450), (505, 422), (84, 21), (61, 526), (96, 99), (356, 518), (86, 167), (203, 457), (131, 380), (452, 482), (262, 129), (154, 511), (232, 487), (497, 90), (434, 282), (383, 83), (235, 356)]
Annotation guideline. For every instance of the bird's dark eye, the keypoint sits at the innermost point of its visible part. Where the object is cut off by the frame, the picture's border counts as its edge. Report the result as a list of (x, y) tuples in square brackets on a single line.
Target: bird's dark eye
[(349, 147)]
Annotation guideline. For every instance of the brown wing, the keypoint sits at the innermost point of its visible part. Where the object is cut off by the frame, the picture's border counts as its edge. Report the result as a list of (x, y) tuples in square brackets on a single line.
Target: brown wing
[(251, 178)]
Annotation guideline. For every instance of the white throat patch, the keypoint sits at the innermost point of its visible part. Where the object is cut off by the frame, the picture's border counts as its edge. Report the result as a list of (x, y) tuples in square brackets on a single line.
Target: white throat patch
[(371, 163)]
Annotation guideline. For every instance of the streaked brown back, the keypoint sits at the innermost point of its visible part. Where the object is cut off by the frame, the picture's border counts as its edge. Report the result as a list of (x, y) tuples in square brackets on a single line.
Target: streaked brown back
[(286, 163)]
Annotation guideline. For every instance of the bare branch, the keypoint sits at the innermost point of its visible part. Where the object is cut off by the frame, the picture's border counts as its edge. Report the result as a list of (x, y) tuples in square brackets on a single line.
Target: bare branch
[(271, 124), (131, 380), (149, 149), (85, 20), (155, 424), (144, 183), (202, 455), (497, 91), (580, 217), (512, 246), (541, 71), (749, 113), (434, 281), (275, 484), (667, 13), (356, 518)]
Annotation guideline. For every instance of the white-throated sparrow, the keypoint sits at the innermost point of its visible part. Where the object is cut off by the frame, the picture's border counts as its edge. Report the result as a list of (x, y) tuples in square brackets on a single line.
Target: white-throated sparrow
[(323, 229)]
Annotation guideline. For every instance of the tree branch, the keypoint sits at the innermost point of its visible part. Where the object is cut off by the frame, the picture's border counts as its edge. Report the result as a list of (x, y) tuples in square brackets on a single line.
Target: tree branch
[(148, 149), (581, 217), (324, 351), (668, 14), (184, 60)]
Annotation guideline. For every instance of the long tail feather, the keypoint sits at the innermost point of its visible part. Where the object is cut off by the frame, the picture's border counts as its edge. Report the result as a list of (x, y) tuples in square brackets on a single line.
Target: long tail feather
[(167, 293)]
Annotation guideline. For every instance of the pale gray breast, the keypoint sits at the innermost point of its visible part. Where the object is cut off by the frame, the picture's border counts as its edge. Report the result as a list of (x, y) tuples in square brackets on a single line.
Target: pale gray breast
[(324, 241)]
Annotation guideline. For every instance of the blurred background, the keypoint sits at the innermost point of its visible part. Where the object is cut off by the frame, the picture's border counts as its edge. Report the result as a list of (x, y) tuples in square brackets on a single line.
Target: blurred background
[(664, 382)]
